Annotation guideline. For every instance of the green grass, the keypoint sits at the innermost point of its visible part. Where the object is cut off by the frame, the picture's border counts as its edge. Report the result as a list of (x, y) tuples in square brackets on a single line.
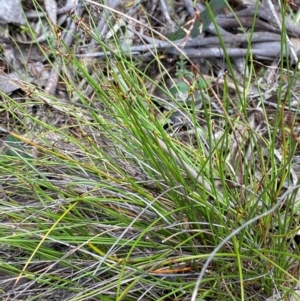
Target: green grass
[(106, 204)]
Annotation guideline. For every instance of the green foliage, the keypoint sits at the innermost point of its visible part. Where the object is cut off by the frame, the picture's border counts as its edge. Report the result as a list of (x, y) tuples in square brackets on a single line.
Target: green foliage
[(199, 24), (187, 83)]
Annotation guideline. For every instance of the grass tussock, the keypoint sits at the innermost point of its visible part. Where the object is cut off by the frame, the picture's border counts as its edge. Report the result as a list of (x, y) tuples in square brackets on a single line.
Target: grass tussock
[(106, 198)]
